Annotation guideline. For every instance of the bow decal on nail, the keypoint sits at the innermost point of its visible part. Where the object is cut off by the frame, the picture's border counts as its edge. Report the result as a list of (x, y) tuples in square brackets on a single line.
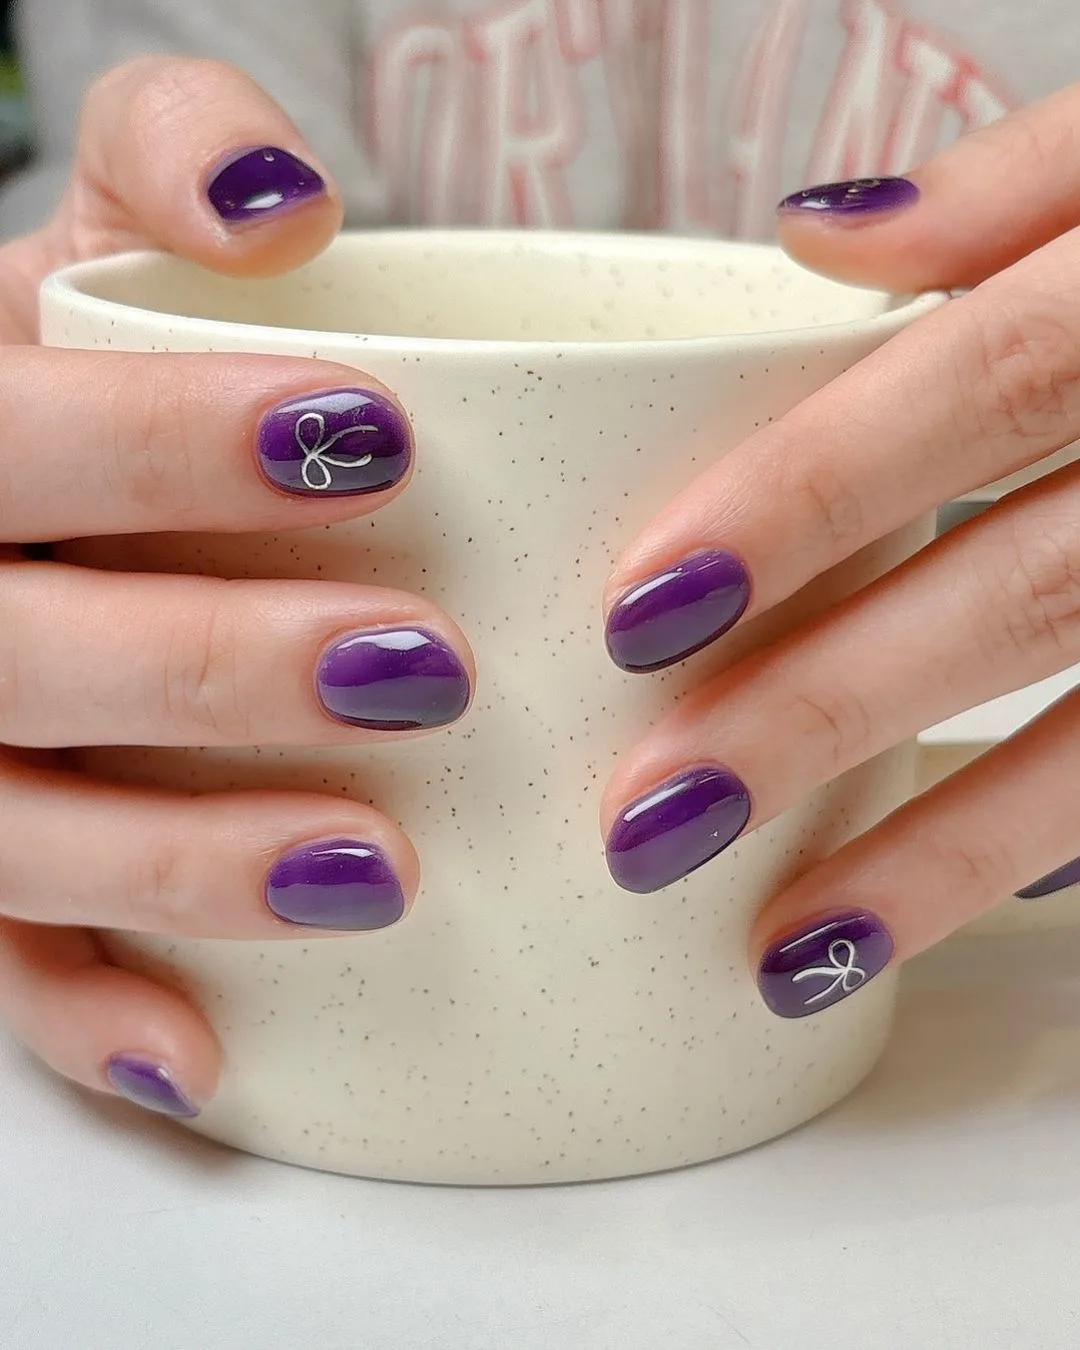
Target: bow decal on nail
[(310, 431), (843, 973)]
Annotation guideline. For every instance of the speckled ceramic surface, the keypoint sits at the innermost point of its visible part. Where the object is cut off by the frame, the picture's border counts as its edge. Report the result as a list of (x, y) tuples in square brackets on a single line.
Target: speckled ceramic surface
[(1043, 914), (529, 1022)]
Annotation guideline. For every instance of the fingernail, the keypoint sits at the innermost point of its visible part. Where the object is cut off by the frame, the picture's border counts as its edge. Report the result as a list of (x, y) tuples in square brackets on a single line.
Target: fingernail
[(340, 443), (392, 679), (340, 883), (819, 965), (148, 1085), (1066, 875), (253, 184), (676, 612), (856, 200), (676, 827)]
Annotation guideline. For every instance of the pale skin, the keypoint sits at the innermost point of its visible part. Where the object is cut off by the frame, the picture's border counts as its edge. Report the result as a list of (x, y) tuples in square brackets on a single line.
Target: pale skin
[(983, 386)]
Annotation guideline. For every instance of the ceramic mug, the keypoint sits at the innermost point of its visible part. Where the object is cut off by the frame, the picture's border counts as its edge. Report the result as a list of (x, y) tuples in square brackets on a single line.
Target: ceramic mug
[(529, 1021)]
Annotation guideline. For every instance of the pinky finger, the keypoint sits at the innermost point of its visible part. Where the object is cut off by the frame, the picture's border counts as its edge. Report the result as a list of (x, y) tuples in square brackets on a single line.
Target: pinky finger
[(932, 866), (103, 1027)]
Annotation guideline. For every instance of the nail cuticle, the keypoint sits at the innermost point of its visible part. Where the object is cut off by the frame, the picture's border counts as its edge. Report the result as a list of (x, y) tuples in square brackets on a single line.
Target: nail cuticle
[(855, 200), (333, 443), (676, 827), (823, 962), (1060, 879), (392, 679), (677, 611), (259, 182), (340, 884), (147, 1083)]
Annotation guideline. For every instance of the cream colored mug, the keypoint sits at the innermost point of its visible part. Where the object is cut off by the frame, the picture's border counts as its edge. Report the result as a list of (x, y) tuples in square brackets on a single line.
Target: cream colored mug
[(529, 1021)]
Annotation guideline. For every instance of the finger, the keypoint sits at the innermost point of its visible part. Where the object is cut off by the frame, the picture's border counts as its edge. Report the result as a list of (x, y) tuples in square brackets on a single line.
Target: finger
[(99, 658), (143, 443), (192, 156), (982, 203), (991, 606), (973, 391), (252, 865), (103, 1027), (926, 870)]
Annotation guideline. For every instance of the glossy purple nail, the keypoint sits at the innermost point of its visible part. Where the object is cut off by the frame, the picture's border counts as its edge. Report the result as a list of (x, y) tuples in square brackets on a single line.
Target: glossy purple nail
[(1066, 875), (339, 883), (676, 828), (253, 184), (149, 1085), (857, 199), (392, 679), (819, 965), (676, 612), (339, 443)]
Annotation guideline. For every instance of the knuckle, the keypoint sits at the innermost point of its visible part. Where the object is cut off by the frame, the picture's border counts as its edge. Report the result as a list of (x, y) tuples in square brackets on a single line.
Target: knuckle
[(980, 870), (156, 882), (1026, 367), (836, 727), (828, 510), (156, 465), (201, 669), (1039, 602)]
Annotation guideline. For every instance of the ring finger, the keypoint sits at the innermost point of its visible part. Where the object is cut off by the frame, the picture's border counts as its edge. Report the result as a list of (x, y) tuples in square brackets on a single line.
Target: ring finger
[(254, 865)]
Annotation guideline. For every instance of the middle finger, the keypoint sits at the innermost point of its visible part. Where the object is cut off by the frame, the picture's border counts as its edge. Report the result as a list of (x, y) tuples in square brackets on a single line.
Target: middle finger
[(991, 606), (103, 658)]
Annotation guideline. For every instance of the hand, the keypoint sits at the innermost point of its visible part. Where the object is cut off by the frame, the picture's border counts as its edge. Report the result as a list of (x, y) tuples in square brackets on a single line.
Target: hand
[(95, 443), (980, 388)]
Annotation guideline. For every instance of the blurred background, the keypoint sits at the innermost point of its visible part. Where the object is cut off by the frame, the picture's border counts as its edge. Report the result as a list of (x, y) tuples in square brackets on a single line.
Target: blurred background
[(16, 138)]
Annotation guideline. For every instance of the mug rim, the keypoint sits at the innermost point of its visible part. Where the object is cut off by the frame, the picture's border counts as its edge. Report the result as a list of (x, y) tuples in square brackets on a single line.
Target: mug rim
[(71, 287)]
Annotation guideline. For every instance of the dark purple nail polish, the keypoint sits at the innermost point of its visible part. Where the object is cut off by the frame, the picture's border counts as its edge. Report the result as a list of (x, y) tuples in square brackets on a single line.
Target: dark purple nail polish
[(818, 966), (1066, 875), (339, 443), (339, 883), (255, 183), (858, 198), (392, 679), (676, 827), (148, 1085), (676, 612)]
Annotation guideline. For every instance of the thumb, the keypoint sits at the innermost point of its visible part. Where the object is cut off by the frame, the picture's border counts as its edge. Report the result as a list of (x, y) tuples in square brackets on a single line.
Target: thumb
[(192, 156), (991, 198)]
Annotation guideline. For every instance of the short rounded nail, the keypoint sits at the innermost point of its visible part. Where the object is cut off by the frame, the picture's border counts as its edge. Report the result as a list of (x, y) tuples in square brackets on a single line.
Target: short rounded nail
[(674, 613), (1066, 875), (392, 679), (823, 962), (338, 443), (677, 827), (253, 184), (856, 199), (148, 1084), (338, 883)]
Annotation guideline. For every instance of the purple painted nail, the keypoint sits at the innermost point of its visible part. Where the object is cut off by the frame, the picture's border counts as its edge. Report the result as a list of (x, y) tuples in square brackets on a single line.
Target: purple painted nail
[(392, 679), (149, 1085), (339, 443), (818, 966), (859, 198), (1066, 875), (256, 183), (676, 612), (339, 883), (676, 828)]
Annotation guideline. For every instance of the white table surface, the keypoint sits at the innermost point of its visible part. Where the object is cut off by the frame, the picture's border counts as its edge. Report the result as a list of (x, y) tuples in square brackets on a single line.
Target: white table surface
[(939, 1207)]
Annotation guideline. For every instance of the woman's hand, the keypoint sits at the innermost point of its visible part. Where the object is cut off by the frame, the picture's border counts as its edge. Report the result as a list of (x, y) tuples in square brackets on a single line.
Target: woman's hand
[(980, 388), (101, 443)]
